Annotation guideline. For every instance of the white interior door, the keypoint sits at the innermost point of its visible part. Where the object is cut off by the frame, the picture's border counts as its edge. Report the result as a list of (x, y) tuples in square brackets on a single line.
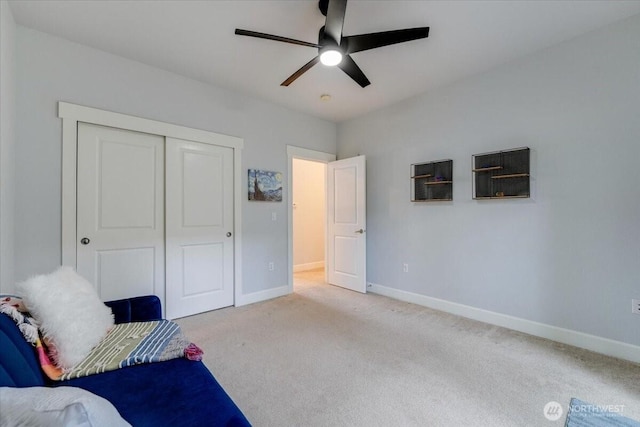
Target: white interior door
[(120, 211), (199, 227), (346, 218)]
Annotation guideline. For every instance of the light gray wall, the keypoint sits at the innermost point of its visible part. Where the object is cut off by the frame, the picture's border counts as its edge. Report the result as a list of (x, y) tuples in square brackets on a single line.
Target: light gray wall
[(309, 213), (7, 146), (51, 69), (570, 256)]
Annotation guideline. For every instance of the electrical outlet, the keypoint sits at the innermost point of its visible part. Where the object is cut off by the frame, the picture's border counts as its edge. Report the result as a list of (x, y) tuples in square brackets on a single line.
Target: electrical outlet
[(635, 306), (274, 216), (271, 266), (405, 267)]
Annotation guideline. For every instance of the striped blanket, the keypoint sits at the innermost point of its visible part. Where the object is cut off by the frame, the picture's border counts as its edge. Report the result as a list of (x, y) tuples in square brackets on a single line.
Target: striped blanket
[(126, 344), (129, 344)]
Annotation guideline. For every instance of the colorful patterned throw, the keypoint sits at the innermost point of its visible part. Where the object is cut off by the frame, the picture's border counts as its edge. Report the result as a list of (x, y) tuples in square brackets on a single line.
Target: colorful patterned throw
[(126, 344)]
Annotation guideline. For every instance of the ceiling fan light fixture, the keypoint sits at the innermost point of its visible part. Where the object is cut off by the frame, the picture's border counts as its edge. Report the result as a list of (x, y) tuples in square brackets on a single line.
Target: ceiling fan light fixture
[(331, 57), (334, 48)]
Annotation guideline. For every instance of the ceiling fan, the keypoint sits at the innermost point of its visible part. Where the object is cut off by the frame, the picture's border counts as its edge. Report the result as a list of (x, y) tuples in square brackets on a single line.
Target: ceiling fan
[(335, 49)]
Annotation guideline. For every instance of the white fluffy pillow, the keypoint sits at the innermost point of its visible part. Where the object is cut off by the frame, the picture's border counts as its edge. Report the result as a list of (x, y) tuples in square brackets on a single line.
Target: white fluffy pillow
[(71, 317), (57, 407)]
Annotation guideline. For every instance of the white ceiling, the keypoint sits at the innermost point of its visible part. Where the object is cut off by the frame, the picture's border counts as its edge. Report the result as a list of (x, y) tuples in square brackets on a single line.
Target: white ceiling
[(196, 39)]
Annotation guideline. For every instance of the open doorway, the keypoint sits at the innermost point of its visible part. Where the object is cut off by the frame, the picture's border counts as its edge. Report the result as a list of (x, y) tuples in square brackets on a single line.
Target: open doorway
[(309, 220), (307, 212)]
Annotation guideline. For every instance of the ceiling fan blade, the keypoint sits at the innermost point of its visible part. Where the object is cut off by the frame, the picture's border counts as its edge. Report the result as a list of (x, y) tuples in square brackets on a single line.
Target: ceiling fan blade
[(335, 19), (360, 42), (349, 66), (276, 38), (300, 72)]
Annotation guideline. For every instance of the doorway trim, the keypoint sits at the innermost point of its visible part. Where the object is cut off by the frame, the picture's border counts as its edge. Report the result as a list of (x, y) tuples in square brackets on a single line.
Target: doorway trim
[(71, 114), (294, 152)]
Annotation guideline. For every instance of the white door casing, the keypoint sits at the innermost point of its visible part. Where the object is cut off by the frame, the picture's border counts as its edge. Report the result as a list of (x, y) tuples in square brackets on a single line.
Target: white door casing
[(120, 211), (294, 152), (72, 115), (199, 227), (346, 217)]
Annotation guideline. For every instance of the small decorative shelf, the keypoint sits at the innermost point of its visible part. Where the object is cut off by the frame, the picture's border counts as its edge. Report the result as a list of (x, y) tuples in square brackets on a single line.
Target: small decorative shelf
[(502, 174), (487, 169), (432, 181), (513, 175)]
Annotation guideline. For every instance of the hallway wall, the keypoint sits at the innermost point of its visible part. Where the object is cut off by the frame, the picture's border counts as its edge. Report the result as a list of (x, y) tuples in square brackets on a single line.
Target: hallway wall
[(309, 216)]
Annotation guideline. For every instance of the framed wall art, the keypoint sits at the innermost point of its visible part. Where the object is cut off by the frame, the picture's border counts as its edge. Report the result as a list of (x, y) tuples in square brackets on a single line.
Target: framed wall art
[(265, 186)]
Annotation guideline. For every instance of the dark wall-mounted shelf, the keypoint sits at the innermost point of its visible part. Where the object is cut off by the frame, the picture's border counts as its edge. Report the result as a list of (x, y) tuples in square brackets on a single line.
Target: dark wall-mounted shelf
[(502, 174), (432, 181)]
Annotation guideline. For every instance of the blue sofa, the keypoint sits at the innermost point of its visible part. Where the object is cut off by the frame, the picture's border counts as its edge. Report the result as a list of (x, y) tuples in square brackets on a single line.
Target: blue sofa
[(177, 392)]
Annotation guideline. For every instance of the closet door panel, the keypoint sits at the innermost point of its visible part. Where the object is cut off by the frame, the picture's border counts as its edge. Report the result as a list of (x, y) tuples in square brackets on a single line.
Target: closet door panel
[(120, 211), (199, 227)]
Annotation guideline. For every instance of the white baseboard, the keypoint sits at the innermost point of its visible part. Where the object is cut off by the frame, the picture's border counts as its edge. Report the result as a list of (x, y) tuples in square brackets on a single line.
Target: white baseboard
[(262, 295), (594, 343), (308, 266)]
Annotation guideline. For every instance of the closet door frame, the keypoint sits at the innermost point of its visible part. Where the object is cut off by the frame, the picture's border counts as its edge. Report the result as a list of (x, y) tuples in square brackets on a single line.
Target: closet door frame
[(71, 114)]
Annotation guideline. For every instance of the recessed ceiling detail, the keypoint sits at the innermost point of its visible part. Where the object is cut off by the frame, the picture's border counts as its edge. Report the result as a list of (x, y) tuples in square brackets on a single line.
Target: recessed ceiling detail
[(196, 39)]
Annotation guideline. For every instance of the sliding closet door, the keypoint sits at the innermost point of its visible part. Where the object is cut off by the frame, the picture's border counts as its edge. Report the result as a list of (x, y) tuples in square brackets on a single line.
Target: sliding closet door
[(120, 211), (199, 227)]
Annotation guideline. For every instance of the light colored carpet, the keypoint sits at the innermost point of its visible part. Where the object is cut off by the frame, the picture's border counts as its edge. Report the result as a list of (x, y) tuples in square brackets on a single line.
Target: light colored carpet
[(325, 356)]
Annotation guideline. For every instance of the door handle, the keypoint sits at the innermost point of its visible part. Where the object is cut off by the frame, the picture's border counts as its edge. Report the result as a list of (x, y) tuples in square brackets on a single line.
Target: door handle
[(85, 241), (361, 231), (228, 234)]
